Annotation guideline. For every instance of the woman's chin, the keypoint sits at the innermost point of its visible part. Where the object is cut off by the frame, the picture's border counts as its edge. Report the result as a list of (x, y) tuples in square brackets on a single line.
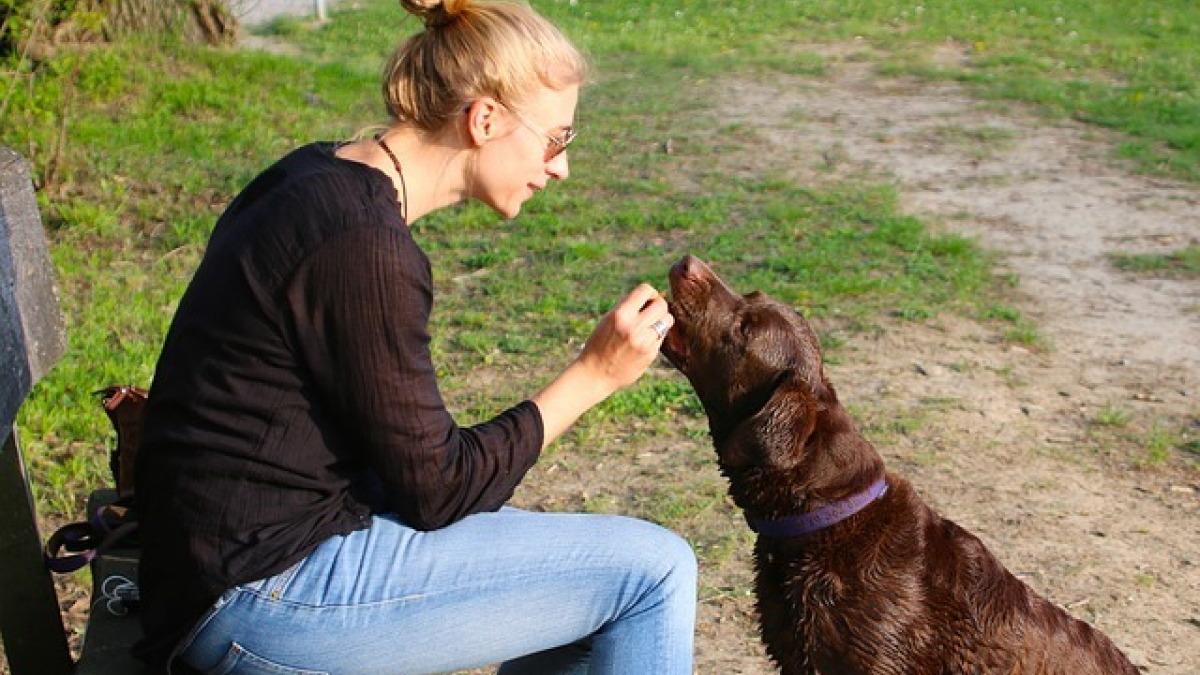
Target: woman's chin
[(509, 211), (505, 211)]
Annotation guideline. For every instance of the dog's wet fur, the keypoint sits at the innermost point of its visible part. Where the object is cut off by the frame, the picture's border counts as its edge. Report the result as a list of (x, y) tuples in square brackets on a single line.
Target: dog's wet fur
[(895, 588)]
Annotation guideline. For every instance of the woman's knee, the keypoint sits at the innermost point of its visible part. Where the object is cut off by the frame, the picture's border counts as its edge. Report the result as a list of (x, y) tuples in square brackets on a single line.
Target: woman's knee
[(661, 551)]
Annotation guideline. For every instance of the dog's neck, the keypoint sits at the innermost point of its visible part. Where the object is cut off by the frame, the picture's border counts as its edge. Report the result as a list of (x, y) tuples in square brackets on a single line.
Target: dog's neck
[(832, 473), (814, 521)]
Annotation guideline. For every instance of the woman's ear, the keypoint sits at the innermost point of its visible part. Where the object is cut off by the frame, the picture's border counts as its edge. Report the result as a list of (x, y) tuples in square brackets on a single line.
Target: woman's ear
[(482, 120)]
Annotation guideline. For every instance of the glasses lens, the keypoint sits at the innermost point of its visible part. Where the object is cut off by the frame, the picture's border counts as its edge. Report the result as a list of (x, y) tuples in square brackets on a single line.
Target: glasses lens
[(558, 144)]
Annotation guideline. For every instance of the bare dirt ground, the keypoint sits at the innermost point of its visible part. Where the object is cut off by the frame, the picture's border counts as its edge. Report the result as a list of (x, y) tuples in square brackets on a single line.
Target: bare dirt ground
[(1009, 445)]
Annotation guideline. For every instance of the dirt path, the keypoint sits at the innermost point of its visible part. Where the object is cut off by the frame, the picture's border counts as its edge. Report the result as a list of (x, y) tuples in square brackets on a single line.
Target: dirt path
[(1005, 439)]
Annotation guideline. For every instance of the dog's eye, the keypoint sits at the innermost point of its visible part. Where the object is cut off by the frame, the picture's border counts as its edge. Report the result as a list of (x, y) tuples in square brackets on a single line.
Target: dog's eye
[(746, 323), (735, 331), (739, 329)]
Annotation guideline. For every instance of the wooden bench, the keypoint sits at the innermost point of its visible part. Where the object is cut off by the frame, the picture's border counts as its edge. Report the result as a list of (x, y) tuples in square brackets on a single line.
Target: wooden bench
[(32, 339)]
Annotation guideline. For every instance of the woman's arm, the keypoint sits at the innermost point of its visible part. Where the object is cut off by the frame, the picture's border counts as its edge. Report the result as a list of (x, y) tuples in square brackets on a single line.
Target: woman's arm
[(620, 349)]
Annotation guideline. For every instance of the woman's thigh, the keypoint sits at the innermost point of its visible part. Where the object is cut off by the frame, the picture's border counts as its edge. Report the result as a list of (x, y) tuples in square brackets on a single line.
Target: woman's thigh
[(490, 588)]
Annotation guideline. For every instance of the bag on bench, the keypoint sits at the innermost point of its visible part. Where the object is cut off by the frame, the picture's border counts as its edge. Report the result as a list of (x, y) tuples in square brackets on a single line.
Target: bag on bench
[(75, 545)]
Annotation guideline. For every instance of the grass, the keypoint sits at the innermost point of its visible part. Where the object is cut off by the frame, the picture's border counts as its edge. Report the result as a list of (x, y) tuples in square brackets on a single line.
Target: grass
[(1184, 263), (1146, 439), (1018, 330), (1112, 416), (137, 147)]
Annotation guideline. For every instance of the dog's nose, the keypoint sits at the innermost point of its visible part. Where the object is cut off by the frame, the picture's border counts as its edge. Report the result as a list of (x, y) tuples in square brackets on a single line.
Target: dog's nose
[(690, 266)]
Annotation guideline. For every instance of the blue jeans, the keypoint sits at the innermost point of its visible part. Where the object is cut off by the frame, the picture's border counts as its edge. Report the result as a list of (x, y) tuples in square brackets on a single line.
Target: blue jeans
[(542, 593)]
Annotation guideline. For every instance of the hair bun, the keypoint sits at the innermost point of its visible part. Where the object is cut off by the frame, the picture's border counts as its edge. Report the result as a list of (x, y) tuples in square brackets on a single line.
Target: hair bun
[(433, 13)]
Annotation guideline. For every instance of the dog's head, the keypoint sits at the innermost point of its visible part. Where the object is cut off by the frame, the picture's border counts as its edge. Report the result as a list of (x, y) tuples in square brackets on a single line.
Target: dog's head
[(751, 359)]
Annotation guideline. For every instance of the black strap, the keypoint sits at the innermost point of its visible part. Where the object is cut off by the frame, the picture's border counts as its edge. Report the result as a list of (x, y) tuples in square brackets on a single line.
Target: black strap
[(86, 540)]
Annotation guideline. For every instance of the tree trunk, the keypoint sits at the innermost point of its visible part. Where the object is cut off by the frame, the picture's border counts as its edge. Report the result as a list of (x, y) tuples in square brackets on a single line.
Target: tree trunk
[(59, 26), (207, 21)]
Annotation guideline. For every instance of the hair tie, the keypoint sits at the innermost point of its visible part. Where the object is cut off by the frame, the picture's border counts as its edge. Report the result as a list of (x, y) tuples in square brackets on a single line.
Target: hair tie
[(433, 13), (438, 16)]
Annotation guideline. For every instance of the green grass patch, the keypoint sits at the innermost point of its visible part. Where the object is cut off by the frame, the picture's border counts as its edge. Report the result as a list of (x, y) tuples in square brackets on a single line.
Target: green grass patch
[(1112, 416), (1184, 263), (1142, 440)]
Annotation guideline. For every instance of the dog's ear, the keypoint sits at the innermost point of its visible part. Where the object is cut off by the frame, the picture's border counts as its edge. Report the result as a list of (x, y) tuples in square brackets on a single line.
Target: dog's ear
[(774, 436)]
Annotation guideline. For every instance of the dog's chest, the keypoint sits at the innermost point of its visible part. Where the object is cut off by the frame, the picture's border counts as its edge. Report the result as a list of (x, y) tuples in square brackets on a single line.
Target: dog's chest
[(790, 585), (799, 573), (810, 612)]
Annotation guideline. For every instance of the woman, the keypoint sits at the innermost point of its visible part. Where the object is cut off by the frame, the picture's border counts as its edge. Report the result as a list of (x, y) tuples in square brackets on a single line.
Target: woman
[(308, 504)]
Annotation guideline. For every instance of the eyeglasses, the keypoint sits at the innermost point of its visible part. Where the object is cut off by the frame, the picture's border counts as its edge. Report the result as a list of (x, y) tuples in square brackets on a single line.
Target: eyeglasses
[(557, 144)]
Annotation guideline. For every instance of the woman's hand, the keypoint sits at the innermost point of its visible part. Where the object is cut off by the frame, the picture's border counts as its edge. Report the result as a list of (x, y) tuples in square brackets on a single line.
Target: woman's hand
[(622, 346), (626, 341)]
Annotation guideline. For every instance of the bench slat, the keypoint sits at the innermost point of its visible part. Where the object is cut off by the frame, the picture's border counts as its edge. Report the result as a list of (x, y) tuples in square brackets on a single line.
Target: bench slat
[(31, 341), (32, 337), (34, 640)]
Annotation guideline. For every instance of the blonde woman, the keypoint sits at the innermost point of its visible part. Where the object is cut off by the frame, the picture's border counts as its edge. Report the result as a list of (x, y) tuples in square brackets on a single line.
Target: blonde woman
[(309, 505)]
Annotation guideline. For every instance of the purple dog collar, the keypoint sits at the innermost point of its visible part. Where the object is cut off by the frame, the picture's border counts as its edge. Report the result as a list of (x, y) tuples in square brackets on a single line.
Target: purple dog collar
[(807, 523)]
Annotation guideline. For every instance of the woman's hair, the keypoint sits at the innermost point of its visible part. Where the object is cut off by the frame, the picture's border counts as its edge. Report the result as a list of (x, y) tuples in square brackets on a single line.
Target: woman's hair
[(473, 48)]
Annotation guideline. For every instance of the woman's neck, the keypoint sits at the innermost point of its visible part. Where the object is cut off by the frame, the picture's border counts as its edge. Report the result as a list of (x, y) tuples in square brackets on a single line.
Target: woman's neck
[(427, 169)]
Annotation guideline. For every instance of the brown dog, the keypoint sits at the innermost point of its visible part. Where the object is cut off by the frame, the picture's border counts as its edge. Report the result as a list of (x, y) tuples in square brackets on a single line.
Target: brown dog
[(855, 574)]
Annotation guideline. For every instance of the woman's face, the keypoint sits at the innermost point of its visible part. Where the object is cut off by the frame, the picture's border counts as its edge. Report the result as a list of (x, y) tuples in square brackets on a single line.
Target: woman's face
[(516, 163)]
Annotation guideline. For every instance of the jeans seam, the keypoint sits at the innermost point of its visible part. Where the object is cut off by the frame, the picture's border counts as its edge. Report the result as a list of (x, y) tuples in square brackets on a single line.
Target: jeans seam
[(295, 604)]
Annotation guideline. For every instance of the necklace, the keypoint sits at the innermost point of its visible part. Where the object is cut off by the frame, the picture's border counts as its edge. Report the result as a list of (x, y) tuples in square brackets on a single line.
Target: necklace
[(399, 172)]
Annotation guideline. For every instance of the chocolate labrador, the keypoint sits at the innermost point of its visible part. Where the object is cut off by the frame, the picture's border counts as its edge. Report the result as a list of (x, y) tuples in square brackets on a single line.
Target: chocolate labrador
[(855, 574)]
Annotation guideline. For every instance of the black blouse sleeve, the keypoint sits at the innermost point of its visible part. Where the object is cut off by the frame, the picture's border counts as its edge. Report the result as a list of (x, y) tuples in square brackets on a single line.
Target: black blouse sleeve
[(361, 306)]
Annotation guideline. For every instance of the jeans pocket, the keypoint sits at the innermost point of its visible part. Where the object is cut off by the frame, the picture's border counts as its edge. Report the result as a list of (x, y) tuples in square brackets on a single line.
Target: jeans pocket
[(241, 661)]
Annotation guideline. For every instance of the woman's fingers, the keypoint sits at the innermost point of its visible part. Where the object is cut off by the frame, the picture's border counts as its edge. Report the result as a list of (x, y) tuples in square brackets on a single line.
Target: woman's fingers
[(652, 313), (626, 340)]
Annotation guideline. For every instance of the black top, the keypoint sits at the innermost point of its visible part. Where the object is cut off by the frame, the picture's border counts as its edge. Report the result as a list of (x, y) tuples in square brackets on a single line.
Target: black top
[(295, 395)]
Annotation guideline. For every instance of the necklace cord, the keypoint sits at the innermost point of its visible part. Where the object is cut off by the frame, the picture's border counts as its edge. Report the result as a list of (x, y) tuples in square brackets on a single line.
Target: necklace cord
[(399, 172)]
